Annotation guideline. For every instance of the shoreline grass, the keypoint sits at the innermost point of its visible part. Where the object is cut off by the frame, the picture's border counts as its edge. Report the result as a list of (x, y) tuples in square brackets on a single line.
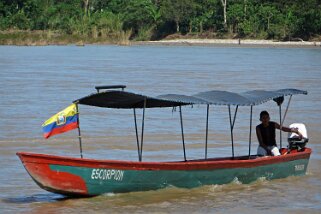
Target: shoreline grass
[(43, 38)]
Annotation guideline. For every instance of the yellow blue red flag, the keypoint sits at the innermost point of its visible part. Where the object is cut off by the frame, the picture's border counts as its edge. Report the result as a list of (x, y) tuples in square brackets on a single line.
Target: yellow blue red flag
[(61, 122)]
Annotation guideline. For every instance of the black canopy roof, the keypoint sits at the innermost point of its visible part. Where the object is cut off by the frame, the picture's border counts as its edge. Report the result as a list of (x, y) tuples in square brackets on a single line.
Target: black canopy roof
[(127, 100)]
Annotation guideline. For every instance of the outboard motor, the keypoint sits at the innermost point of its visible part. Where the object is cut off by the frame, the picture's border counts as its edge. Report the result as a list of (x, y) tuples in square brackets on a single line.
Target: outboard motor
[(295, 142)]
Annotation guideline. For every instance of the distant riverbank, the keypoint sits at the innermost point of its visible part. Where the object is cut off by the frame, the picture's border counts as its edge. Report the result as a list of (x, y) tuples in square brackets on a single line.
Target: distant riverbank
[(235, 42), (48, 37), (44, 38)]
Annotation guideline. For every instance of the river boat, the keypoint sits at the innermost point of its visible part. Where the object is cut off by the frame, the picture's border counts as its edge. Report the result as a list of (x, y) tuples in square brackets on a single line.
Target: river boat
[(82, 177)]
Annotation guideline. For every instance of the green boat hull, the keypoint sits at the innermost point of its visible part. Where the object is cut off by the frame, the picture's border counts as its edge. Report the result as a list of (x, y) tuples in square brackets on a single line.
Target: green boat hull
[(87, 177), (101, 181)]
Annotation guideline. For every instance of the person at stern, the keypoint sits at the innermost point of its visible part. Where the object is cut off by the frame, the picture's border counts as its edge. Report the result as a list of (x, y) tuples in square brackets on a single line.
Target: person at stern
[(266, 135)]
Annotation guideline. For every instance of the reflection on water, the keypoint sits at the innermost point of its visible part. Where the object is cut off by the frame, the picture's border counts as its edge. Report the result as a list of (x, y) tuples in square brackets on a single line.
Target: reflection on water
[(37, 82), (49, 197)]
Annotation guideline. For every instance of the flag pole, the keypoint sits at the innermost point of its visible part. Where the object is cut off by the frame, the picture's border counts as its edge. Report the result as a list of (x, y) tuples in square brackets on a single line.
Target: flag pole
[(79, 133)]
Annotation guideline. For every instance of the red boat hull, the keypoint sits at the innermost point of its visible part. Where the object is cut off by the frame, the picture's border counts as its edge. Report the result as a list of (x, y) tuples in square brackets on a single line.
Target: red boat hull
[(88, 177)]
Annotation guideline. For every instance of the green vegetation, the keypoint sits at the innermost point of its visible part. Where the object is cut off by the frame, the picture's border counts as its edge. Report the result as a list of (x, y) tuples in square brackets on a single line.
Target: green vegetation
[(117, 21)]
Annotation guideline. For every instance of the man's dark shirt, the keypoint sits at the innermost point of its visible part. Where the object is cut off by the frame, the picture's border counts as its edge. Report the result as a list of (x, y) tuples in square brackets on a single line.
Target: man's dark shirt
[(268, 134)]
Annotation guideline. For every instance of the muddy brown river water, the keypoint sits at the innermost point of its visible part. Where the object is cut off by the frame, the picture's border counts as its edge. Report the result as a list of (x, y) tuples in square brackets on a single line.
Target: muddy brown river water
[(37, 82)]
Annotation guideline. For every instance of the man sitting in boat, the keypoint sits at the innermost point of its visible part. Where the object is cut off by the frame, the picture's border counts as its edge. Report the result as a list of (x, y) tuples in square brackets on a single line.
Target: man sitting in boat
[(266, 135)]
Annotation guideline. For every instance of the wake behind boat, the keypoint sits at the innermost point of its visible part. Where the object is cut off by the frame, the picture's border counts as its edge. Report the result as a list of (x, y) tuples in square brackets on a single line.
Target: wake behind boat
[(89, 177)]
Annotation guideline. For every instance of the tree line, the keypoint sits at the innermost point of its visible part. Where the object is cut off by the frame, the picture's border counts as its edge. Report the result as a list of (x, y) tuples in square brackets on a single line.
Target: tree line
[(156, 19)]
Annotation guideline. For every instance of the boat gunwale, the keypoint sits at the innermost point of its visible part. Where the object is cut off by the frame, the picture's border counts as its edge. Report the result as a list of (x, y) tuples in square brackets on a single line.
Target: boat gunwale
[(200, 164)]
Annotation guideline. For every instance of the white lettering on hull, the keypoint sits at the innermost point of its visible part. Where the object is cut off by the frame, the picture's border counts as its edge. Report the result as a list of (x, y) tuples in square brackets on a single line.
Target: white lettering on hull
[(107, 174), (299, 167)]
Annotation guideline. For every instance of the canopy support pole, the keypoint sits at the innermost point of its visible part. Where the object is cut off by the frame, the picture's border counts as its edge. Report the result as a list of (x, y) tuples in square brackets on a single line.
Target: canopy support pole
[(182, 129), (137, 140), (206, 137), (280, 112), (142, 136), (235, 115), (250, 135), (282, 120), (232, 125), (286, 110), (79, 133)]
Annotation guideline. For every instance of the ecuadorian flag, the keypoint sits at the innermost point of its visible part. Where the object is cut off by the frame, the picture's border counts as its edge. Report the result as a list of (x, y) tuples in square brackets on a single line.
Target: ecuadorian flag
[(61, 122)]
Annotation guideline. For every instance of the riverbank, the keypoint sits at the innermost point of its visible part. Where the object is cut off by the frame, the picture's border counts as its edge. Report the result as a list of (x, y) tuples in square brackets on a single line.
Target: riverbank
[(48, 37), (235, 43), (44, 38)]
